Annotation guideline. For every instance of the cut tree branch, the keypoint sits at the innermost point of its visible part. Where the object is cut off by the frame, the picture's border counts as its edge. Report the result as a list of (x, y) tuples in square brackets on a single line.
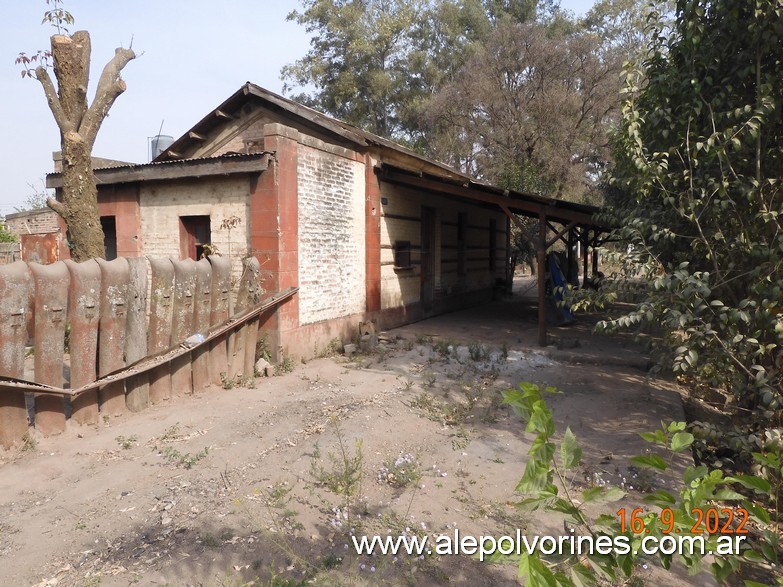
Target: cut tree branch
[(110, 86), (58, 207), (53, 100)]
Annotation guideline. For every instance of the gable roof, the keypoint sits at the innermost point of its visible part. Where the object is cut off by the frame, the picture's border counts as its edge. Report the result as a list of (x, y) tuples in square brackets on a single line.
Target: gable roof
[(396, 163), (304, 116)]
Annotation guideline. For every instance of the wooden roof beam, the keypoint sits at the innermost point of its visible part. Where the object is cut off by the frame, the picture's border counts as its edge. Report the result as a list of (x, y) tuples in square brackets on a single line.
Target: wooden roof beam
[(554, 213)]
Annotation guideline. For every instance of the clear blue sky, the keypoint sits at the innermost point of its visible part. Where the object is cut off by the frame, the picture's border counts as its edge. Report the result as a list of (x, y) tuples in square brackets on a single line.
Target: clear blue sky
[(193, 55)]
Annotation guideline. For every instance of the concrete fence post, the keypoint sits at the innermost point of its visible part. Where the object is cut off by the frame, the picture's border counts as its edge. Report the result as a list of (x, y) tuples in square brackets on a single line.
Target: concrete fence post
[(161, 306), (219, 313), (115, 282), (16, 289), (137, 397), (51, 306), (182, 325), (201, 312), (84, 303)]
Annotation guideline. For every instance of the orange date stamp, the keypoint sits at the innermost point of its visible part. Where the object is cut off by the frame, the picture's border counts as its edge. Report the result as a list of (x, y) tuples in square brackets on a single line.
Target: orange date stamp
[(711, 520)]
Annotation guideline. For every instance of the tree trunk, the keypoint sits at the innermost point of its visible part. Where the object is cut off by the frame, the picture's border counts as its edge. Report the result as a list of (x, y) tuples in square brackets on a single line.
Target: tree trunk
[(79, 125), (80, 200)]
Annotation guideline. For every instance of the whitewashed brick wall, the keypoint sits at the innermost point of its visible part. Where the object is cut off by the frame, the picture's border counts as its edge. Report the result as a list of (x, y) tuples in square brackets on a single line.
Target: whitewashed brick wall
[(163, 204), (331, 236)]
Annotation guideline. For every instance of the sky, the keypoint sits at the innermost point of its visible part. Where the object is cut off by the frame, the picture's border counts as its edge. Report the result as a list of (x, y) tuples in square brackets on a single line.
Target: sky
[(191, 56)]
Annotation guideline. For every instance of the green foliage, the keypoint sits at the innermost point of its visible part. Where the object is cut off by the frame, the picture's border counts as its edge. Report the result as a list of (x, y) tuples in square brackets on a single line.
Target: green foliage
[(697, 194), (343, 476), (548, 483), (7, 237)]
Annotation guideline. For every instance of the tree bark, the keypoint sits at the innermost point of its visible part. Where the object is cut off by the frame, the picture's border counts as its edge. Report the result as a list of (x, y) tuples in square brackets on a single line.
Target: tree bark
[(79, 125)]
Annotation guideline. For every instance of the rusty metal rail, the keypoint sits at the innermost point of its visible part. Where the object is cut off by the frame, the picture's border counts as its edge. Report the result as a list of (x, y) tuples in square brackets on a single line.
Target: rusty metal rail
[(152, 361)]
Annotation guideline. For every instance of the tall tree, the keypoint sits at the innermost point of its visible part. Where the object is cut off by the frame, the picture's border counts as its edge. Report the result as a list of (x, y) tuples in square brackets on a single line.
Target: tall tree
[(78, 124), (531, 109), (376, 63), (358, 60)]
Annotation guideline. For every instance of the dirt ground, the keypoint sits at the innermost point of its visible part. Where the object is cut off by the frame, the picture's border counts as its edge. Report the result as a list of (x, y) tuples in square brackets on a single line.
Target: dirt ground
[(269, 483)]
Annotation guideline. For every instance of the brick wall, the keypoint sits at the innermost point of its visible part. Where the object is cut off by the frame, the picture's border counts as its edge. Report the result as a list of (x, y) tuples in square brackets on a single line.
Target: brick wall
[(163, 204), (41, 221), (331, 234)]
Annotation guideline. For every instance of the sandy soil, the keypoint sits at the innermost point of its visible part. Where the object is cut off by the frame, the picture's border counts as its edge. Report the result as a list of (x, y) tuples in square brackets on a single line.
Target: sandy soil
[(233, 485)]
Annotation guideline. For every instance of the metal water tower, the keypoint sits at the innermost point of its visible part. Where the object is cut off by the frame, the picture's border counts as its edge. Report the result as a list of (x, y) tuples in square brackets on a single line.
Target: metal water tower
[(158, 144)]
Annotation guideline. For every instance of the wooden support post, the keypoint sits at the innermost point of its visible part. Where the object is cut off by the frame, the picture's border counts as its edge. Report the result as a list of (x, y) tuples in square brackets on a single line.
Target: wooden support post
[(572, 275), (586, 235), (595, 259), (541, 253)]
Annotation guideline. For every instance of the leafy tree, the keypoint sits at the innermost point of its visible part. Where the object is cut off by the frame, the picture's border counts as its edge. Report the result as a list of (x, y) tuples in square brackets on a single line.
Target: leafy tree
[(699, 165), (35, 200), (358, 60), (77, 121), (5, 236), (624, 24), (376, 63), (530, 110)]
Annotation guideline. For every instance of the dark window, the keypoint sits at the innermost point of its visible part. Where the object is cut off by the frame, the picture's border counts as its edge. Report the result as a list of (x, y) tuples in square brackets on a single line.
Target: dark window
[(493, 243), (194, 234), (109, 227), (402, 254)]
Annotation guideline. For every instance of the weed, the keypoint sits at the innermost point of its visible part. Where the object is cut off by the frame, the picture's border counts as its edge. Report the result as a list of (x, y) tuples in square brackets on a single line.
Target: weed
[(429, 378), (423, 339), (226, 381), (285, 366), (401, 471), (262, 348), (478, 352), (332, 349), (344, 477), (504, 350), (171, 433), (443, 346), (210, 541), (28, 442), (406, 384), (186, 460), (331, 561), (461, 439), (127, 443)]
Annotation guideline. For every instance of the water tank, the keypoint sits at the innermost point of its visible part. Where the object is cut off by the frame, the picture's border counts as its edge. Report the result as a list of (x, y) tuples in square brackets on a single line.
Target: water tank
[(158, 144)]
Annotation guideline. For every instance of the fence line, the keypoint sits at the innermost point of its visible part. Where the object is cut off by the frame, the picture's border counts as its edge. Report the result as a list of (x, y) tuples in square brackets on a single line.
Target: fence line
[(126, 349)]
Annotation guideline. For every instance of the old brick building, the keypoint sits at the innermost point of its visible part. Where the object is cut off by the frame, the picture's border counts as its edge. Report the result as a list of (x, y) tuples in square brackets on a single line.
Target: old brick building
[(366, 228)]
